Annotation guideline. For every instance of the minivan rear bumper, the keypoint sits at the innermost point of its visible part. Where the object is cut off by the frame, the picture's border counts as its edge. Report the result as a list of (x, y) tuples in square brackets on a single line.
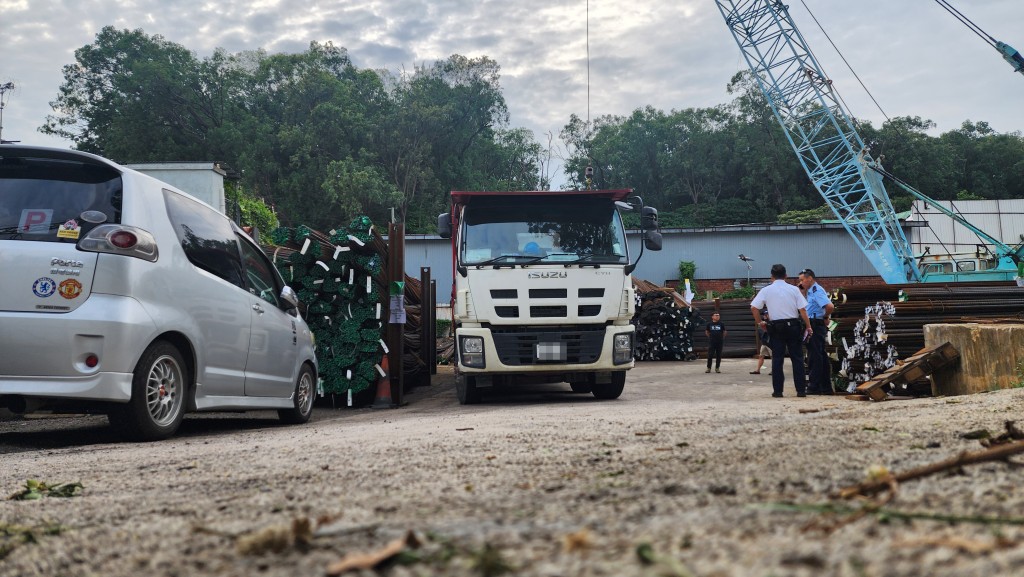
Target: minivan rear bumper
[(112, 387), (45, 354)]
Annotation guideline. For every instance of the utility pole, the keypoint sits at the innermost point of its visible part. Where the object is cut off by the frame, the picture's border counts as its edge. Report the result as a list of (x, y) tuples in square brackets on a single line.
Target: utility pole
[(4, 89)]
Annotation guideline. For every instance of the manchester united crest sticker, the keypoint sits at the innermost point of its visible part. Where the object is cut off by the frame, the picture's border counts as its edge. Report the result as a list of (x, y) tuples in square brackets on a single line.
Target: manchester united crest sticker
[(70, 288)]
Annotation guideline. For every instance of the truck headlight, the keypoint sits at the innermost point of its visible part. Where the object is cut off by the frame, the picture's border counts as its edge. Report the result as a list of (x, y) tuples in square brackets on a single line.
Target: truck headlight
[(471, 351), (622, 349)]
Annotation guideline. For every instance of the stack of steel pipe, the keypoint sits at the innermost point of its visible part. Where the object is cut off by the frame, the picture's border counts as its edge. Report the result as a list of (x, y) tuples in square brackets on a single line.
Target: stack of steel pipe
[(664, 324), (919, 304), (741, 342), (663, 317)]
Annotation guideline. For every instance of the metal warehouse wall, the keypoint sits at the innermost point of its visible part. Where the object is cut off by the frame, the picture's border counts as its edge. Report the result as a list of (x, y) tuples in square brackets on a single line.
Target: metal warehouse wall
[(1002, 219), (826, 248)]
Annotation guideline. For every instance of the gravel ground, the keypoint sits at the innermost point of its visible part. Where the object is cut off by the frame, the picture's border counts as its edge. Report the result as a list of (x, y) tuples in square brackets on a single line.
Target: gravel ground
[(686, 474)]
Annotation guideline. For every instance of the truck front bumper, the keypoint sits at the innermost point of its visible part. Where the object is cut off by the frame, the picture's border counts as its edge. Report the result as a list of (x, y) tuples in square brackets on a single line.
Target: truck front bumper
[(541, 349)]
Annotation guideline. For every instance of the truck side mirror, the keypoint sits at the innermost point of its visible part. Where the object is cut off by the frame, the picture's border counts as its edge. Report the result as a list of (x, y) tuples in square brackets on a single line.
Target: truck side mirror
[(649, 218), (652, 240), (444, 225)]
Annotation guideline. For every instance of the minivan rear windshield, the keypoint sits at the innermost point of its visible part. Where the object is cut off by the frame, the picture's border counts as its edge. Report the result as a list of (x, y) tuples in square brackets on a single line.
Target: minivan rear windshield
[(55, 200)]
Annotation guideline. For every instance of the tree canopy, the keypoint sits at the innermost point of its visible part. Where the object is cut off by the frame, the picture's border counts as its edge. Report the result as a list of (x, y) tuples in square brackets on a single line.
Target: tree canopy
[(322, 140)]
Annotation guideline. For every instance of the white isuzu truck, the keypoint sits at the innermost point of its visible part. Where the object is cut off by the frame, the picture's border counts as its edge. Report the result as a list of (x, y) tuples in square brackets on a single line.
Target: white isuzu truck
[(542, 289)]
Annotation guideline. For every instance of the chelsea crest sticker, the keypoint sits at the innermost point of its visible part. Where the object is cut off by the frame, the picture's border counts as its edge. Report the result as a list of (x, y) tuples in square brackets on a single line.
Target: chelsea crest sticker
[(44, 287)]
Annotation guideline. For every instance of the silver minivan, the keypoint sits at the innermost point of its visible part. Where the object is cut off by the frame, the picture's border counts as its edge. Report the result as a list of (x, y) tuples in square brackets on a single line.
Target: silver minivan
[(121, 294)]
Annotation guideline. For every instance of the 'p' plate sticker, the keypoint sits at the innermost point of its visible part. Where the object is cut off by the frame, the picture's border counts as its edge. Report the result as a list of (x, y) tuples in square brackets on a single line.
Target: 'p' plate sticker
[(70, 288)]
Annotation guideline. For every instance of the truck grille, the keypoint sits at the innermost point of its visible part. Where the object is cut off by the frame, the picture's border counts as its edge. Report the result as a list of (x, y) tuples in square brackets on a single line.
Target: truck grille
[(507, 312), (517, 347), (548, 311), (548, 293)]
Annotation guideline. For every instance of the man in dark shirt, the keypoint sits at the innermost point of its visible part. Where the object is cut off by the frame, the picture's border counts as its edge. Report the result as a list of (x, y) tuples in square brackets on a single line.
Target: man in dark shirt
[(716, 332)]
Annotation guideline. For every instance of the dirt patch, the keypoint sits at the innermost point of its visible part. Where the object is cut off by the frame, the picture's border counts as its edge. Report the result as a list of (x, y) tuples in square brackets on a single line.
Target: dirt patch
[(687, 474)]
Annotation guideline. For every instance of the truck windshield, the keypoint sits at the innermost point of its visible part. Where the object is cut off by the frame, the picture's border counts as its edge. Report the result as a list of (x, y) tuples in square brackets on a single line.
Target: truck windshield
[(537, 230)]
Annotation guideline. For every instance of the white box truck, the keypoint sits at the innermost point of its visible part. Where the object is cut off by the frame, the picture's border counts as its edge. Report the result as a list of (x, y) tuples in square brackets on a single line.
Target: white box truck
[(541, 288)]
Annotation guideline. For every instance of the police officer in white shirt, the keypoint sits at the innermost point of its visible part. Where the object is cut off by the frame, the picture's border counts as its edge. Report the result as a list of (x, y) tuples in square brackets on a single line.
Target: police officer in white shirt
[(789, 328)]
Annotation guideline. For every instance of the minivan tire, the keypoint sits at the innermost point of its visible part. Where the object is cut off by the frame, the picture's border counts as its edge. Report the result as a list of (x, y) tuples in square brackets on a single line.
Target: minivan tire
[(305, 389), (160, 387)]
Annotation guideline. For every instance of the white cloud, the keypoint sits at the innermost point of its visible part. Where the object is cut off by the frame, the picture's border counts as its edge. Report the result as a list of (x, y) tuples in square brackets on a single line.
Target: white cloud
[(913, 56)]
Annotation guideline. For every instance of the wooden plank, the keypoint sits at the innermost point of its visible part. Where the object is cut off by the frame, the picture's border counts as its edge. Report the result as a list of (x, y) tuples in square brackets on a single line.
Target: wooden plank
[(914, 368)]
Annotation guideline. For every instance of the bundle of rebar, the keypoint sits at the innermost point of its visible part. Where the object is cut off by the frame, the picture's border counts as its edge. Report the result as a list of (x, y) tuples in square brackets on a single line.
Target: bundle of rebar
[(915, 305)]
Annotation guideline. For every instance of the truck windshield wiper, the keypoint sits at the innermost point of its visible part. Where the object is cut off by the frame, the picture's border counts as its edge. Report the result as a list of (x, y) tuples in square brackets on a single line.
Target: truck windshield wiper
[(499, 259), (587, 257)]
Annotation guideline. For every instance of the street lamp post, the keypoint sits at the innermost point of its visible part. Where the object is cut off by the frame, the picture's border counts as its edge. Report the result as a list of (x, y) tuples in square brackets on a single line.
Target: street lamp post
[(747, 260)]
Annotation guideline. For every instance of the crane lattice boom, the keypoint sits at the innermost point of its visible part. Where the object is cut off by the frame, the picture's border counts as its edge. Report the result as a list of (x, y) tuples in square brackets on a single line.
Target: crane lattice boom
[(821, 132)]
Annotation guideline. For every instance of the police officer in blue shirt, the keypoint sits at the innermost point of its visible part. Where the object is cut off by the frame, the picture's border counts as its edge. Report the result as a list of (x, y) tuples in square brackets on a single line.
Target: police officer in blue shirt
[(819, 309)]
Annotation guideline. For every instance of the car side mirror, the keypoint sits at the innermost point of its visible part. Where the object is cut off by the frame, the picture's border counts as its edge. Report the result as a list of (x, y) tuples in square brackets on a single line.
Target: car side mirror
[(444, 225), (652, 240), (288, 296)]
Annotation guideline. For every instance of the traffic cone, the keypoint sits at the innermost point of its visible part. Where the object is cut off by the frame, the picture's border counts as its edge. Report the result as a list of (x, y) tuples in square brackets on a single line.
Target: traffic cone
[(383, 400)]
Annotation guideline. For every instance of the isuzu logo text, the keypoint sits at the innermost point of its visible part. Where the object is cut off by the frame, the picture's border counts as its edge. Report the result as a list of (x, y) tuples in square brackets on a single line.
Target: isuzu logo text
[(553, 274)]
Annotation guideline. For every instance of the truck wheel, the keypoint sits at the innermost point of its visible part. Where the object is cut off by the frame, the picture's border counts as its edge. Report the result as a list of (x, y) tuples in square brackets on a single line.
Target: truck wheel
[(466, 391), (303, 399), (613, 389), (581, 386), (159, 387)]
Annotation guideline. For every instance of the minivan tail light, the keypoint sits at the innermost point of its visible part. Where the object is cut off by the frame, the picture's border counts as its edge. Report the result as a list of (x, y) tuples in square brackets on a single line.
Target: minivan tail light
[(121, 239)]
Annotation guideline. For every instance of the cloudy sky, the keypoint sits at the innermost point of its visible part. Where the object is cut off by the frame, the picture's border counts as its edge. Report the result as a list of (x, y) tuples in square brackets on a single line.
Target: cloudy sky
[(913, 56)]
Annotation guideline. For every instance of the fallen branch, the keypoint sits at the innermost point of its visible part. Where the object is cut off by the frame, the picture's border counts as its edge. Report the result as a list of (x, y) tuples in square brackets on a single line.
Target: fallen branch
[(996, 453), (884, 513)]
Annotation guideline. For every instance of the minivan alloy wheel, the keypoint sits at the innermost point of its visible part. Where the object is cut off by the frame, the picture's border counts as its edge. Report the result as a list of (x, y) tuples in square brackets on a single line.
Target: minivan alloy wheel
[(164, 388), (304, 392), (302, 398)]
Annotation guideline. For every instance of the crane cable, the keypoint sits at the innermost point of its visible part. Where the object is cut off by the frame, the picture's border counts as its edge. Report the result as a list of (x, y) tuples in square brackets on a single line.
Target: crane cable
[(838, 51), (968, 23)]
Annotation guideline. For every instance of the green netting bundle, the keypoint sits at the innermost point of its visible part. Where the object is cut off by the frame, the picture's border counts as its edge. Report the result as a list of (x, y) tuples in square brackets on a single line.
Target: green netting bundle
[(308, 296), (363, 313), (346, 291), (339, 266), (302, 233), (321, 308), (343, 316), (302, 261), (281, 235), (369, 298), (330, 286)]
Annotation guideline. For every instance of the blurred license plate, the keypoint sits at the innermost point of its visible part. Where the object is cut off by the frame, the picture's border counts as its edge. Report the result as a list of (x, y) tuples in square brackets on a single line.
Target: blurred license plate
[(550, 351)]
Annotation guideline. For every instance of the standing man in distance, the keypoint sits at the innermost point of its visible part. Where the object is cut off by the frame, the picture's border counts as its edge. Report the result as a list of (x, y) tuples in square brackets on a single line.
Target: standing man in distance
[(819, 310), (716, 334), (787, 330)]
